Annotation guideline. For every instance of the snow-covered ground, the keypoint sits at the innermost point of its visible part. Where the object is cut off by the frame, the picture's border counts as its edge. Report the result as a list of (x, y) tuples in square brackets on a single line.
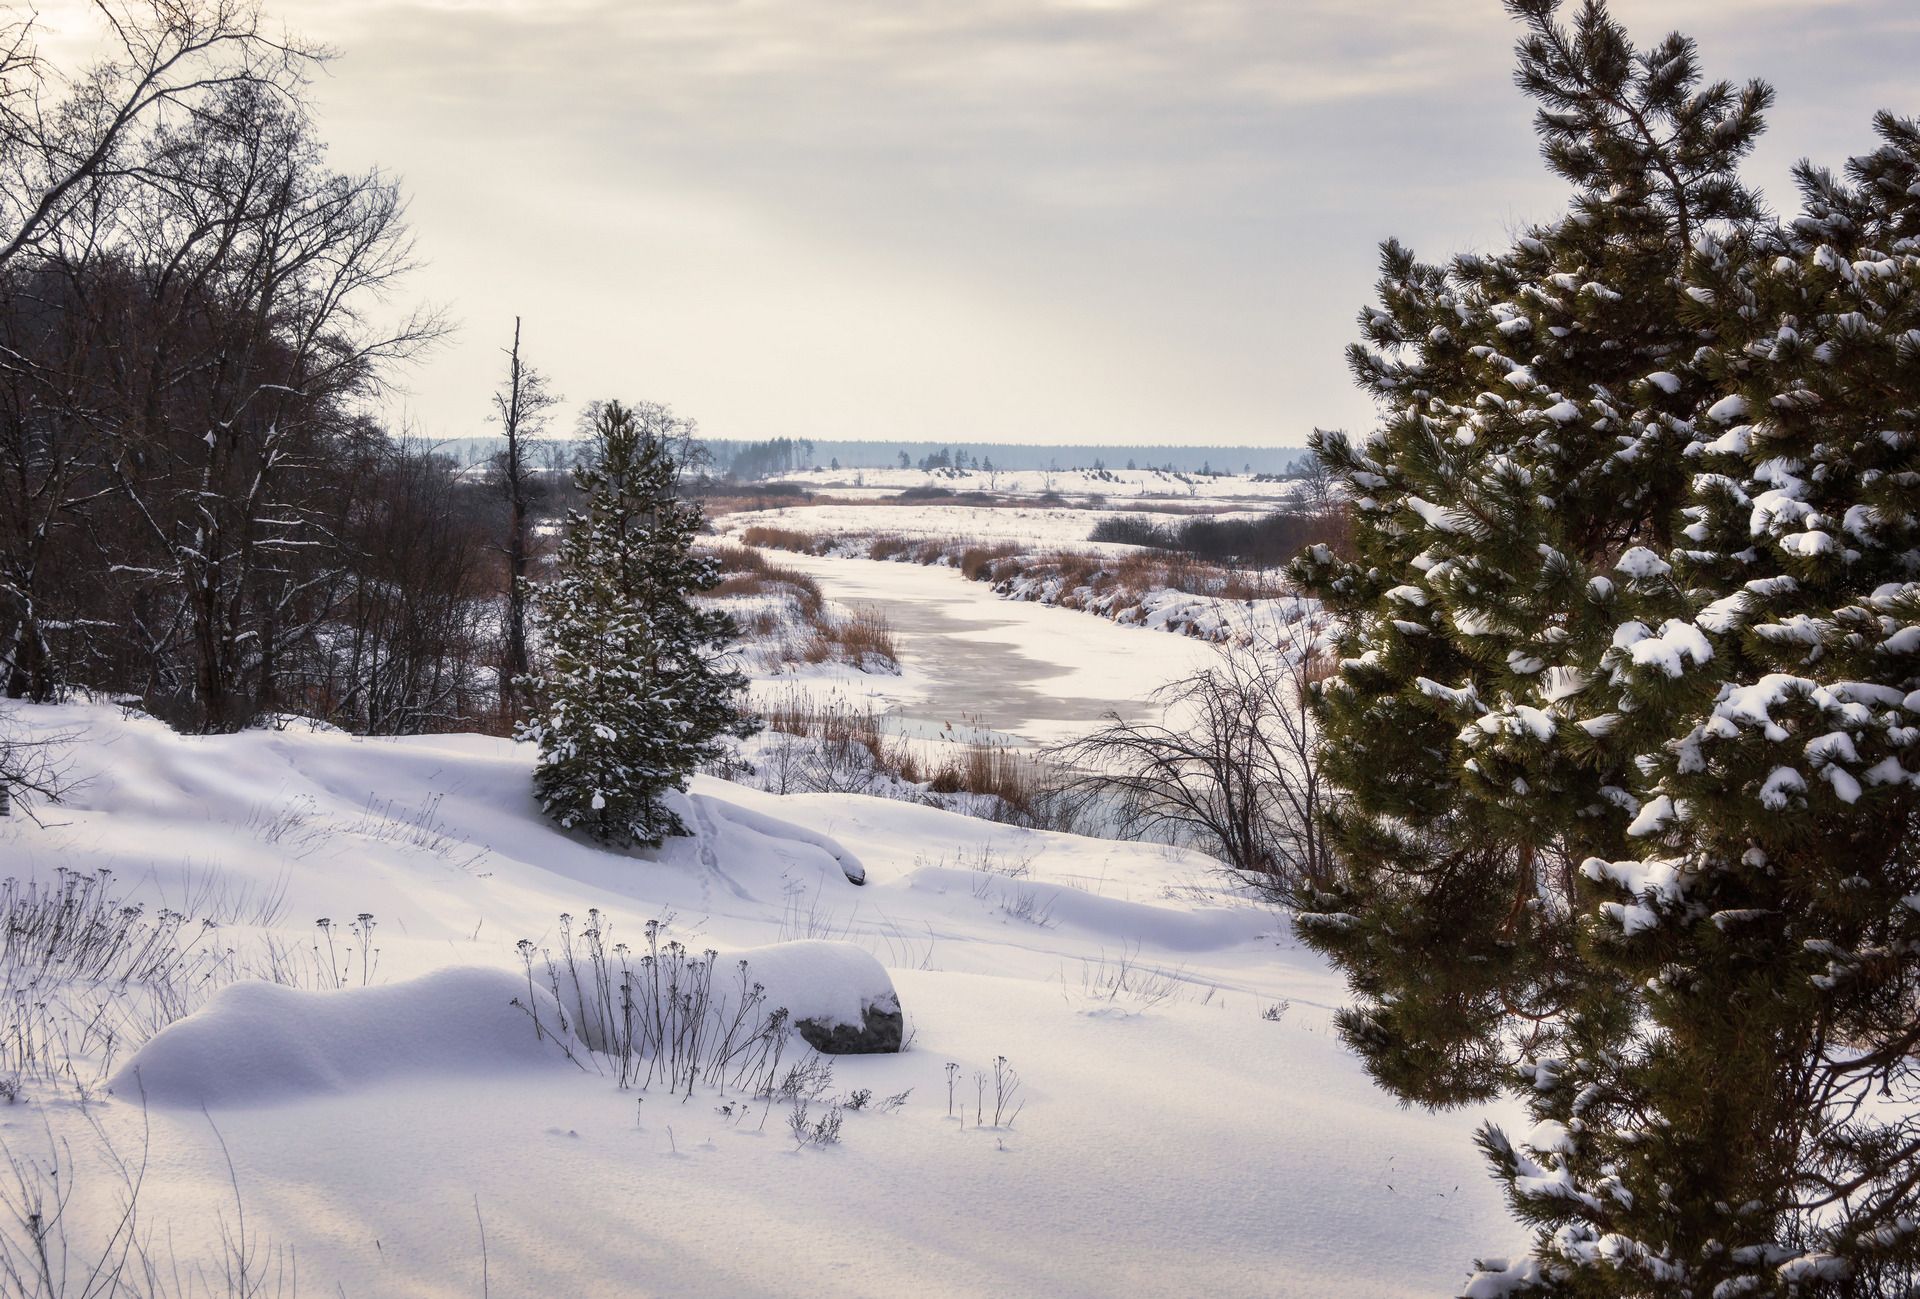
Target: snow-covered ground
[(1032, 526), (1189, 1124)]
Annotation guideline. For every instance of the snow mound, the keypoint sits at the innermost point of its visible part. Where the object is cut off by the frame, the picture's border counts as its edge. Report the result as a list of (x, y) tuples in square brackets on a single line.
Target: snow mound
[(260, 1043), (773, 827), (830, 982)]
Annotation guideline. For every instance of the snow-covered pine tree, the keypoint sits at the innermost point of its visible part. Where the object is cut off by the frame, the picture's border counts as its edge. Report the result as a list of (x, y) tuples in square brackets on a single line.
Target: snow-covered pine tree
[(631, 695), (1764, 1114), (1549, 629), (1537, 408)]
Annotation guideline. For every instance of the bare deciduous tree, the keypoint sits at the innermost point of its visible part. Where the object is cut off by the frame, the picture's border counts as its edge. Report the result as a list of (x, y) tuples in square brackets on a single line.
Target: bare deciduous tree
[(62, 137), (1318, 494), (1231, 769), (75, 149), (261, 264), (680, 435), (34, 767), (411, 645), (191, 320)]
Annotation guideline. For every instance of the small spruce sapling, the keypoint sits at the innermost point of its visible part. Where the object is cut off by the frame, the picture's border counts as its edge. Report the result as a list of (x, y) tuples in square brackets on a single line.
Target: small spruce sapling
[(633, 696)]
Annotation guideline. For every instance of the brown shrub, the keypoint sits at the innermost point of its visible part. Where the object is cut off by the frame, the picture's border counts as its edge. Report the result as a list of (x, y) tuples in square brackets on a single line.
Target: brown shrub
[(1137, 573), (1335, 530), (1257, 584), (786, 539), (977, 562), (768, 579), (738, 584), (1077, 568), (738, 559), (1140, 571)]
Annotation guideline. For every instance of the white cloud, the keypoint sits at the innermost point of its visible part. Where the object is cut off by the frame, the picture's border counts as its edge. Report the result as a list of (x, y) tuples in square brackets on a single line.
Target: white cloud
[(1056, 219)]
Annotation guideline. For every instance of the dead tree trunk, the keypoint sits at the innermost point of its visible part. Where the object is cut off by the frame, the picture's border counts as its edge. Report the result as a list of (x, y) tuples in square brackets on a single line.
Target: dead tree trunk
[(520, 406)]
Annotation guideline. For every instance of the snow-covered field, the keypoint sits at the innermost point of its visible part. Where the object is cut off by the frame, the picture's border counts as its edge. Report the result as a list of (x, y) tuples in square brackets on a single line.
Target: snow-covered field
[(1189, 1125), (1036, 526)]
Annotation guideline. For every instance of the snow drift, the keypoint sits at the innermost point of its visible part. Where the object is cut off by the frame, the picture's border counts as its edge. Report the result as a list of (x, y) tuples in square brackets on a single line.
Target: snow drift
[(259, 1043)]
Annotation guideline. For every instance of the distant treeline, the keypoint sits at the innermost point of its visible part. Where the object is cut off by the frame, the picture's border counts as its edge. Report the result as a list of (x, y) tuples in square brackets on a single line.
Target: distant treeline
[(740, 458), (867, 454)]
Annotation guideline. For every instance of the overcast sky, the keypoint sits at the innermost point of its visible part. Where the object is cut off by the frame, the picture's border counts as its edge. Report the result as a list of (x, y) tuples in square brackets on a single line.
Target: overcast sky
[(1017, 220)]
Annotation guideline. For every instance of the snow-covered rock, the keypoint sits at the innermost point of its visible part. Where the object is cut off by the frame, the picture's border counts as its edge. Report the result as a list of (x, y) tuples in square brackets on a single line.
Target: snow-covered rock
[(837, 996)]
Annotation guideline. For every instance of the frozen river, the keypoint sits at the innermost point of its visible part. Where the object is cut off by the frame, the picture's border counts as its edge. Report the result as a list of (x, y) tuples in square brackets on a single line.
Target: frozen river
[(968, 656)]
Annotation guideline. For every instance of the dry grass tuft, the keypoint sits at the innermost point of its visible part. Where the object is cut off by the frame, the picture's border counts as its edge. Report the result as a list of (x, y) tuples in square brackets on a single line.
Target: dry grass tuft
[(868, 632), (820, 636), (746, 572), (829, 639), (1021, 781), (853, 752)]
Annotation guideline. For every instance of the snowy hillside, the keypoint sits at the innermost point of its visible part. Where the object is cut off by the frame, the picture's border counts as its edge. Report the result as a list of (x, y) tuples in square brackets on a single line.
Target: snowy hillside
[(1183, 1121)]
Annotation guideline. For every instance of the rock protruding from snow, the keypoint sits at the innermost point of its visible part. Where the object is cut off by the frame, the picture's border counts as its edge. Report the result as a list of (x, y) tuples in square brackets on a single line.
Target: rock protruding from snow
[(881, 1031), (838, 997), (259, 1043)]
